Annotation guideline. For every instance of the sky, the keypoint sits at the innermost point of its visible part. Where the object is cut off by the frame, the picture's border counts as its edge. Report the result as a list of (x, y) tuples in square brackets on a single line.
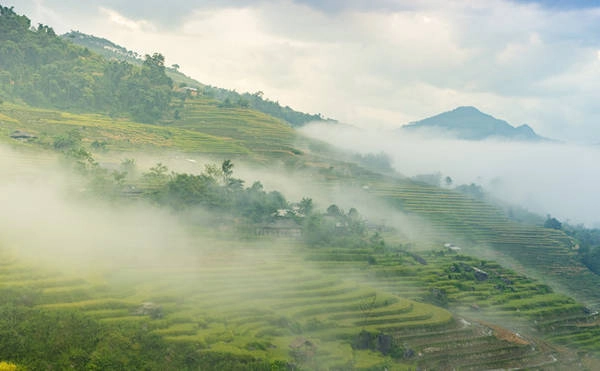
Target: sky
[(378, 63)]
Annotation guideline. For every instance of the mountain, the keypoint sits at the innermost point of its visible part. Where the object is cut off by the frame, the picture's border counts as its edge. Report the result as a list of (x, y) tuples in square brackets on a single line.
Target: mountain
[(471, 124)]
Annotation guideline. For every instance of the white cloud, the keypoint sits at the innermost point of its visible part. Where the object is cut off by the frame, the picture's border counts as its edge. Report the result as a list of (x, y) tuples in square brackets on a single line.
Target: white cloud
[(121, 21)]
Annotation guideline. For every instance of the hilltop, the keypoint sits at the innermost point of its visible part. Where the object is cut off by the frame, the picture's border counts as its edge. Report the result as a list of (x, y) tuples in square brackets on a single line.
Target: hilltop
[(469, 123)]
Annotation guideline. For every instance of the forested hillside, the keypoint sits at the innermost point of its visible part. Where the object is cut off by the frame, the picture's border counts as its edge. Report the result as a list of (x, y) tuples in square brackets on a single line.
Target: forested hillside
[(41, 69), (228, 98)]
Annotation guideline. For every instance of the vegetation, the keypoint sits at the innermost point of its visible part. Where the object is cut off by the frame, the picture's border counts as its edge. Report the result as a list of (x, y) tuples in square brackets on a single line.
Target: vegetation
[(588, 245), (226, 98), (44, 70), (268, 283), (215, 189), (39, 338), (335, 228), (483, 230)]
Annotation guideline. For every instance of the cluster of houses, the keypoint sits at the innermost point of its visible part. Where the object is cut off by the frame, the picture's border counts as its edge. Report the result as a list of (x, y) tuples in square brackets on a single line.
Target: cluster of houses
[(480, 275), (189, 90), (284, 225)]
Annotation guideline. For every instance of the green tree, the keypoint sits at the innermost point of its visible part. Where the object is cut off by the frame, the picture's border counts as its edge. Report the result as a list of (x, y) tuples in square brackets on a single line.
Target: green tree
[(227, 168), (306, 205), (552, 223), (334, 210)]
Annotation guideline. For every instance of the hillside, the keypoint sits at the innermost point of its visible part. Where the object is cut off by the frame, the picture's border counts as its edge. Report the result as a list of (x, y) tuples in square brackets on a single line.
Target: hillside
[(410, 291), (471, 124), (111, 51), (154, 257)]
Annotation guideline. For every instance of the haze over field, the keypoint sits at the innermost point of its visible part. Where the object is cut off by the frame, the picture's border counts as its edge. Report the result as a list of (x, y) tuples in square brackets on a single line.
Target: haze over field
[(46, 217), (547, 178), (373, 63)]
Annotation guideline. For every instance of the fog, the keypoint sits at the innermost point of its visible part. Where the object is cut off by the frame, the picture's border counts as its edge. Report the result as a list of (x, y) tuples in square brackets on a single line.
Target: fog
[(294, 184), (148, 254), (45, 217), (546, 178), (49, 218)]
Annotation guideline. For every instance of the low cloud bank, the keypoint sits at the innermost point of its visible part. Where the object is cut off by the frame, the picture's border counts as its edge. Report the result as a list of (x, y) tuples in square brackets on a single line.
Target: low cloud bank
[(546, 178)]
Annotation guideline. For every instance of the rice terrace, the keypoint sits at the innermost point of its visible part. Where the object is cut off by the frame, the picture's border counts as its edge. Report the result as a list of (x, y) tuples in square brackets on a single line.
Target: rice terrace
[(153, 222)]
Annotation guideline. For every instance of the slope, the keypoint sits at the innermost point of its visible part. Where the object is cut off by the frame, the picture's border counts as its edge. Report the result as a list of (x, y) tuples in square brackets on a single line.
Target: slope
[(319, 304), (263, 300), (204, 128), (203, 125), (110, 50), (483, 230)]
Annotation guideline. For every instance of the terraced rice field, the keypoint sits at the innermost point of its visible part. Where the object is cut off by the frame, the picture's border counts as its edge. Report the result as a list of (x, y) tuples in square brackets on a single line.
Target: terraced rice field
[(285, 301), (270, 302), (482, 229), (118, 134), (501, 296), (260, 133), (257, 303)]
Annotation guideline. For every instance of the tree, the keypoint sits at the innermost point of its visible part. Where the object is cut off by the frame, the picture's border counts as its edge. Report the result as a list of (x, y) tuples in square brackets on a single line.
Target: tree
[(67, 141), (448, 181), (552, 223), (154, 65), (306, 205), (227, 167), (157, 177), (334, 210)]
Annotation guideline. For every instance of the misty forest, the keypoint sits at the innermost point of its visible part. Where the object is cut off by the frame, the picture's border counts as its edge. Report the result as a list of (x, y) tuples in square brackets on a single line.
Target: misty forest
[(153, 222)]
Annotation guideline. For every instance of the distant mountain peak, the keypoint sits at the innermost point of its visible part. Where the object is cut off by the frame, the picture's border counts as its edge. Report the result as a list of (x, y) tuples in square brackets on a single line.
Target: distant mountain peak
[(525, 129), (466, 109), (468, 122)]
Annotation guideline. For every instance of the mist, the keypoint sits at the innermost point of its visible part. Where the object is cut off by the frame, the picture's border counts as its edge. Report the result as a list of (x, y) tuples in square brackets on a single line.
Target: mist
[(544, 177), (45, 217)]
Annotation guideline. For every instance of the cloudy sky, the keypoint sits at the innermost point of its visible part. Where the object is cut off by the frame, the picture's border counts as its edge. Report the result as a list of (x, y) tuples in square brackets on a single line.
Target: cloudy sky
[(372, 63)]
